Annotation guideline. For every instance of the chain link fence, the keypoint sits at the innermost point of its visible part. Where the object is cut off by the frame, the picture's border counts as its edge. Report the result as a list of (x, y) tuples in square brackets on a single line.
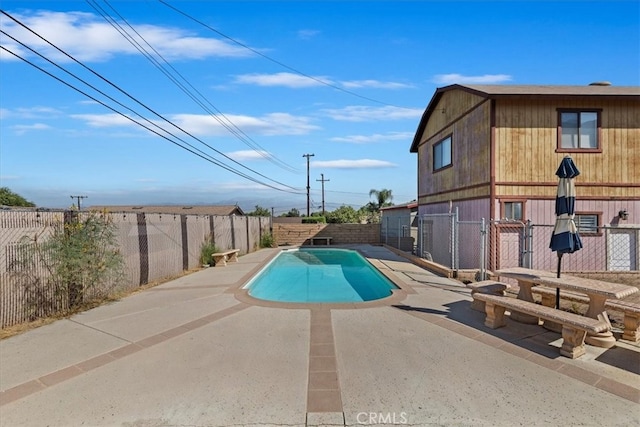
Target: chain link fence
[(489, 246), (400, 232)]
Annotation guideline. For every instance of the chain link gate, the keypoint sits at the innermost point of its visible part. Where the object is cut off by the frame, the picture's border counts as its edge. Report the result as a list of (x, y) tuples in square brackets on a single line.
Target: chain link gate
[(440, 238)]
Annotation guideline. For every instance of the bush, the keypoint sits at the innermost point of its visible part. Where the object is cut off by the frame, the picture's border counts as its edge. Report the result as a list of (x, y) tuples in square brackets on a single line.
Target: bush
[(267, 241), (206, 252), (81, 257), (314, 220)]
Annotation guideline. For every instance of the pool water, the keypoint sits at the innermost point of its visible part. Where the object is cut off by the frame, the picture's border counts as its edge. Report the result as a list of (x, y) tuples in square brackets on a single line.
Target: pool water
[(320, 276)]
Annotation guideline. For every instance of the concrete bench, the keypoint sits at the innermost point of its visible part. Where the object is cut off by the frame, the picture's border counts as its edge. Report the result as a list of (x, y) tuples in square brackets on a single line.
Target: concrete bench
[(630, 310), (221, 258), (326, 239), (574, 326), (486, 287)]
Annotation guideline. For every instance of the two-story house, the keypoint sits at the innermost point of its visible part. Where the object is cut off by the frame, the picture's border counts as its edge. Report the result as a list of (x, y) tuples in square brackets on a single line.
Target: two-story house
[(492, 151)]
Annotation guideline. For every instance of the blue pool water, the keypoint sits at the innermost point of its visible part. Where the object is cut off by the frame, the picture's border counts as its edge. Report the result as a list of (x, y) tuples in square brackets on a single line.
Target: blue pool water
[(320, 275)]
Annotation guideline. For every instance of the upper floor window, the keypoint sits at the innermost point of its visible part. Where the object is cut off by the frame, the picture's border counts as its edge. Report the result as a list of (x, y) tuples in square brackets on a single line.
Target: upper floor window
[(442, 154), (578, 130)]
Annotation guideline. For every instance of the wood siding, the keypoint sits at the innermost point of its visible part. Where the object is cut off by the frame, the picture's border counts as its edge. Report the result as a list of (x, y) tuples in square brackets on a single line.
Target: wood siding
[(466, 117), (525, 150), (526, 157)]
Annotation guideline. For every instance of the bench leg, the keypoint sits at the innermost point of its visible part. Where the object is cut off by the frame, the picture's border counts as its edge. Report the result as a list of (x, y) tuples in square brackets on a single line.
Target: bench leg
[(234, 257), (631, 327), (548, 300), (479, 305), (495, 316), (221, 261), (572, 342)]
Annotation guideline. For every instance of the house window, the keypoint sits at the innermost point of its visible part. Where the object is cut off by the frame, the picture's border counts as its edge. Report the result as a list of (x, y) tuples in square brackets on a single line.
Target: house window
[(579, 130), (587, 223), (442, 154), (512, 211)]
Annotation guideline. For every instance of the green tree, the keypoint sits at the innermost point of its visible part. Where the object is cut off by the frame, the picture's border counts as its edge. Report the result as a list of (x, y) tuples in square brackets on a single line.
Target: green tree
[(260, 211), (383, 199), (9, 198), (293, 213), (344, 215)]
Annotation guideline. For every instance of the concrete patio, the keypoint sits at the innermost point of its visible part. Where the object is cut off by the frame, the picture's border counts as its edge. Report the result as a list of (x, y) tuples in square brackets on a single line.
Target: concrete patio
[(196, 351)]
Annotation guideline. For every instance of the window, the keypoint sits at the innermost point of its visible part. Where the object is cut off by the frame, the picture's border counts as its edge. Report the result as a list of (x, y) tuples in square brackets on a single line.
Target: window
[(512, 211), (578, 130), (442, 154), (587, 223)]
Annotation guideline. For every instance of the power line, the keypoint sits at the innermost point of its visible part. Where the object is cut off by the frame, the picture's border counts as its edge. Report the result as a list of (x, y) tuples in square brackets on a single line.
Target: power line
[(207, 158), (226, 123), (214, 161), (275, 61), (322, 180), (79, 198), (308, 187)]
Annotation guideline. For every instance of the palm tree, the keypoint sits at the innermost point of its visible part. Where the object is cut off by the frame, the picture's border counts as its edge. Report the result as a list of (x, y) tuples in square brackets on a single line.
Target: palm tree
[(383, 197)]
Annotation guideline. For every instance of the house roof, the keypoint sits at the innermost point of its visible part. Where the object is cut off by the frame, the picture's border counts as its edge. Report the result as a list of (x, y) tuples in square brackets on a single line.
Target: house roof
[(410, 205), (222, 210), (603, 89)]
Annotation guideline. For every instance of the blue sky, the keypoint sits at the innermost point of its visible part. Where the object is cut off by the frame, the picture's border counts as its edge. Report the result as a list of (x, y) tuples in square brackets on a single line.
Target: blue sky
[(234, 93)]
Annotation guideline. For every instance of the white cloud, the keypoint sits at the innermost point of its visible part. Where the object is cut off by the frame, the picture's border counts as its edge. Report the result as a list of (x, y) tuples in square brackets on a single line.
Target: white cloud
[(377, 84), (363, 114), (448, 79), (30, 113), (207, 125), (22, 129), (269, 124), (376, 137), (296, 81), (104, 120), (9, 177), (239, 186), (282, 79), (248, 155), (307, 34), (353, 164), (88, 37)]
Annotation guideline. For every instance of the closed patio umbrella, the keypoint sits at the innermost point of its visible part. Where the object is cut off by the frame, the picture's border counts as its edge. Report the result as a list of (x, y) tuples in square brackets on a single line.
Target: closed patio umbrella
[(565, 238)]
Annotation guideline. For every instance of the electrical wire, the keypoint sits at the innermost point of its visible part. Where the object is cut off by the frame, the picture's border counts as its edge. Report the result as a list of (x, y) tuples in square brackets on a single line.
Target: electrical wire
[(209, 159), (275, 61), (226, 123), (295, 190)]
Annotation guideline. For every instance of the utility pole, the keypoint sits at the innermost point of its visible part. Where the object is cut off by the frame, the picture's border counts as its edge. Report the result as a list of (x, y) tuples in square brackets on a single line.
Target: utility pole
[(79, 198), (308, 187), (323, 181)]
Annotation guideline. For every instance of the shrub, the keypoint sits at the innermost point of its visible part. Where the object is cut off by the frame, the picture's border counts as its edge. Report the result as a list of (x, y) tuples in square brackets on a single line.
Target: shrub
[(206, 251), (79, 254), (314, 220), (267, 241)]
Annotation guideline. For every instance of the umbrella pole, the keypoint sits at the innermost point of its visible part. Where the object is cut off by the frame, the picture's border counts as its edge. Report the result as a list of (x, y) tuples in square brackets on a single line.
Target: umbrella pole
[(558, 275)]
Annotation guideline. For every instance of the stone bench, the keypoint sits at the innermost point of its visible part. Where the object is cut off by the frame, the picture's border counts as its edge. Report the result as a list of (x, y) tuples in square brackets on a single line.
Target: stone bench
[(327, 240), (630, 310), (220, 259), (486, 287), (574, 326)]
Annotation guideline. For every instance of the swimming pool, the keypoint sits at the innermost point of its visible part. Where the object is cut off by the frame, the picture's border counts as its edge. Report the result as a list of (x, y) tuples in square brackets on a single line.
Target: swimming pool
[(319, 276)]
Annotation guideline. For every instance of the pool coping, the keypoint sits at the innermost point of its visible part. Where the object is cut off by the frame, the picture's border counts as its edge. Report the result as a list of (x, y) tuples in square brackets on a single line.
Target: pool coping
[(397, 295)]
